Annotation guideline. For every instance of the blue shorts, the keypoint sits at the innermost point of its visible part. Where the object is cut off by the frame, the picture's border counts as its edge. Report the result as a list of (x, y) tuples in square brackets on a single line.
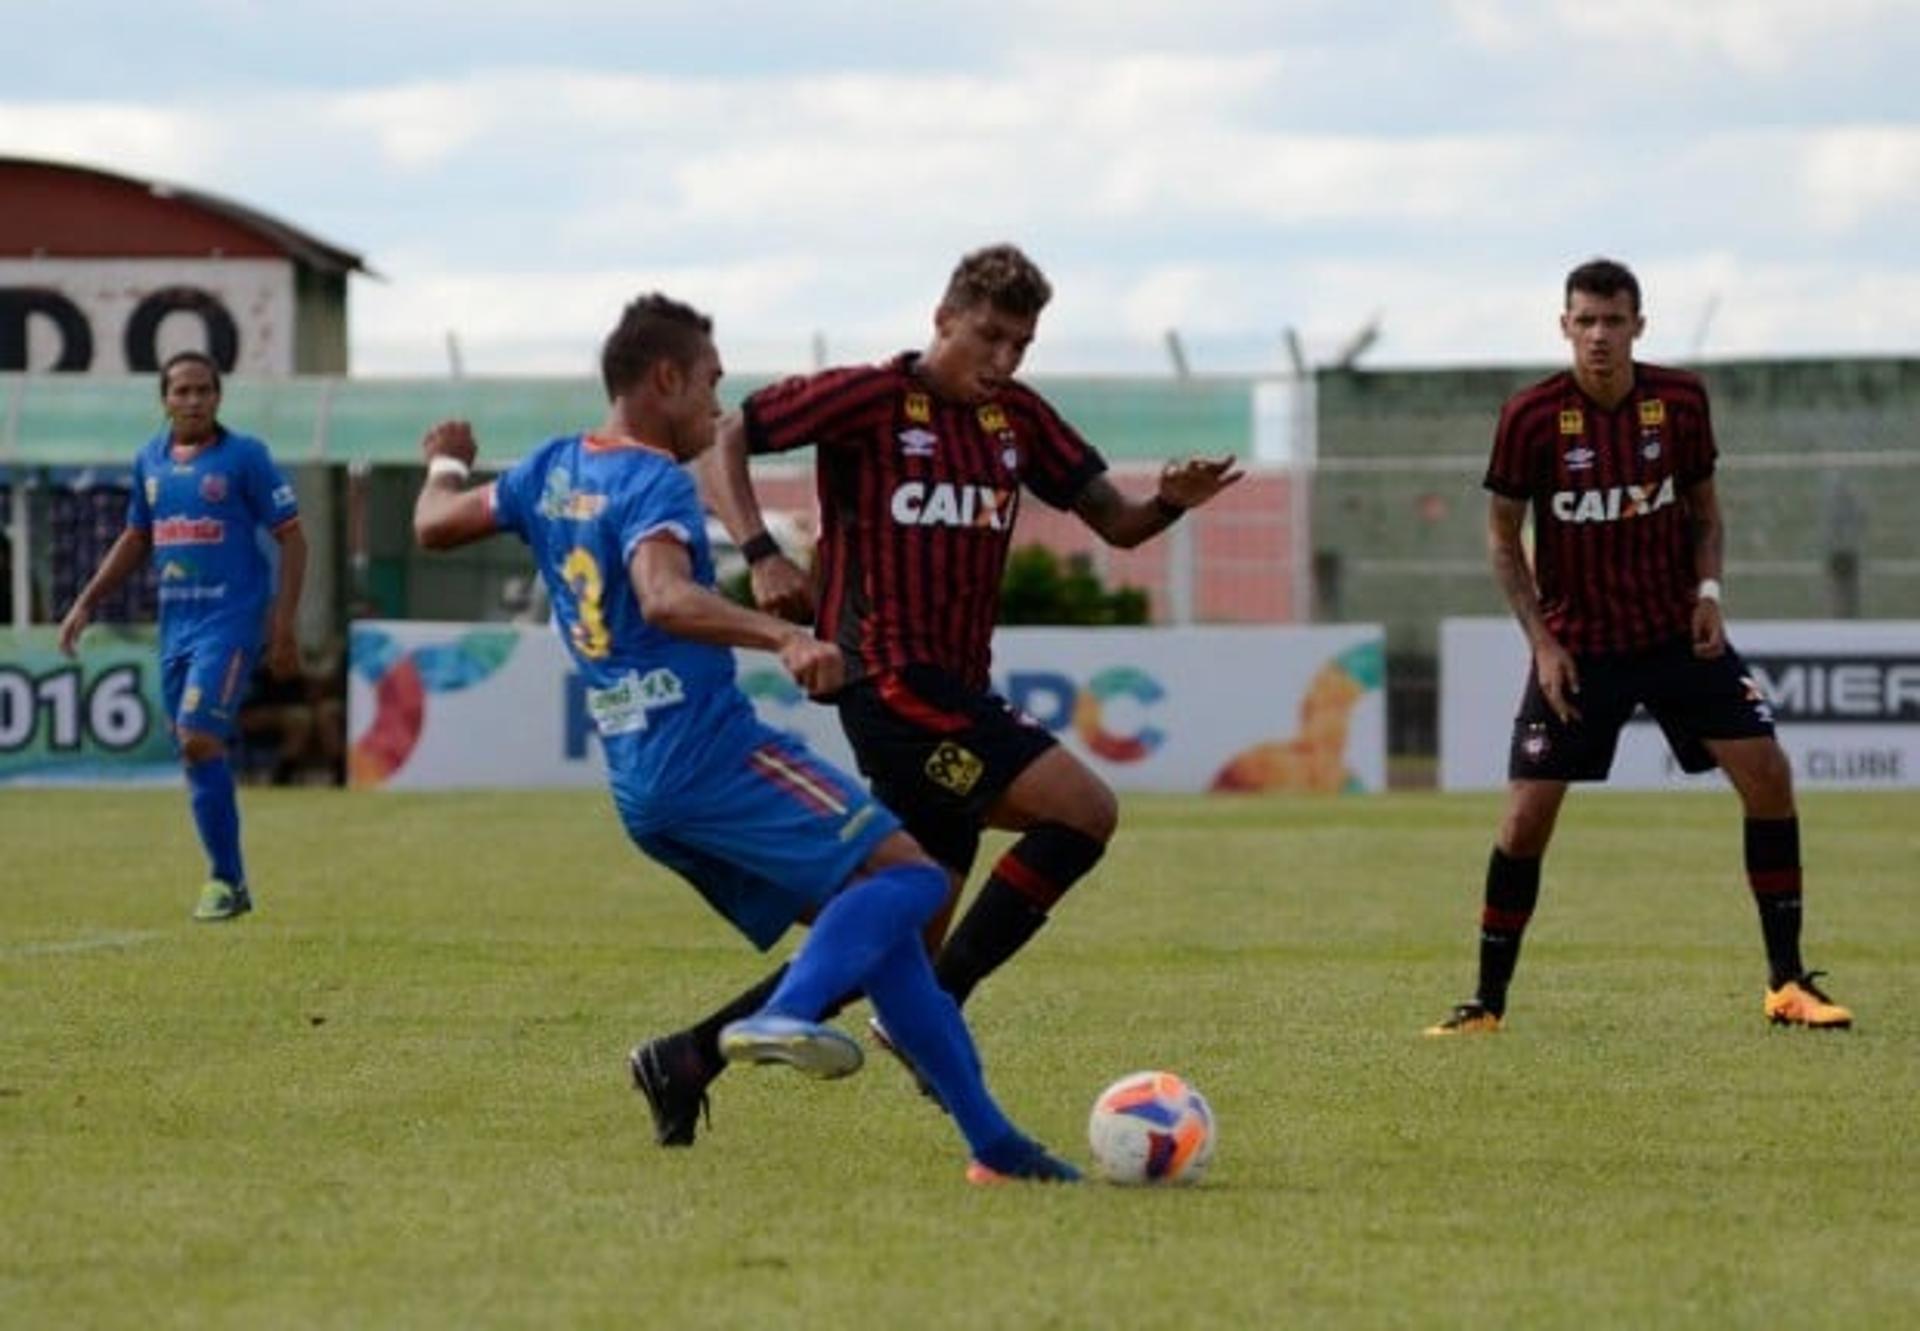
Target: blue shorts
[(768, 837), (205, 685)]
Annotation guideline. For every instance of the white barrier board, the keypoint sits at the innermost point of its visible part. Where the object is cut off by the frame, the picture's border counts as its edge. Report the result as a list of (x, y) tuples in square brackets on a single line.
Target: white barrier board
[(1228, 709), (1845, 695)]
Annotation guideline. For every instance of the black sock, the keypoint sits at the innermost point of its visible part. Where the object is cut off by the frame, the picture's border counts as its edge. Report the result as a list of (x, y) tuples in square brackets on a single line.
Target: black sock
[(996, 926), (1513, 886), (1034, 874), (705, 1033), (1773, 872)]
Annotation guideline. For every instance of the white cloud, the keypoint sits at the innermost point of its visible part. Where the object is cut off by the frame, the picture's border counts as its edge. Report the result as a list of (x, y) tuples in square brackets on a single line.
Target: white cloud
[(167, 143), (1766, 37), (1170, 170), (1850, 175), (1756, 35)]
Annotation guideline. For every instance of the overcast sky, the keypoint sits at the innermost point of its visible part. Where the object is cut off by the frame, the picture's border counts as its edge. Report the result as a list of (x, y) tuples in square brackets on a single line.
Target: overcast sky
[(516, 168)]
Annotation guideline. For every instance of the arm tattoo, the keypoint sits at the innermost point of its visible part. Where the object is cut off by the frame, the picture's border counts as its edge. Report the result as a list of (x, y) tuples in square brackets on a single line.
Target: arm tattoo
[(1514, 578)]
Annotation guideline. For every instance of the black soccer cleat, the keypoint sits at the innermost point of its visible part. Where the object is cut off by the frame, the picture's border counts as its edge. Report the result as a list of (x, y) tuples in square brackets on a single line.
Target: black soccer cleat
[(665, 1072)]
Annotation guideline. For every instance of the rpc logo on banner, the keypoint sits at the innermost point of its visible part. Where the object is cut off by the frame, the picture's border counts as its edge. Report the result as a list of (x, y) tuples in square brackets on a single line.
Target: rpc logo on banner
[(1111, 713)]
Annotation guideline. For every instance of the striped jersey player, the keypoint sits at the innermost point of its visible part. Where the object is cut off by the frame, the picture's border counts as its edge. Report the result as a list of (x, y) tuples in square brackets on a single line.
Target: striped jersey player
[(1613, 459)]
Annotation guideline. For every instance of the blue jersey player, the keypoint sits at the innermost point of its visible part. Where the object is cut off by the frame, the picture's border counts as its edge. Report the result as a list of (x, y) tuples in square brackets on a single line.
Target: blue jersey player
[(769, 834), (202, 494)]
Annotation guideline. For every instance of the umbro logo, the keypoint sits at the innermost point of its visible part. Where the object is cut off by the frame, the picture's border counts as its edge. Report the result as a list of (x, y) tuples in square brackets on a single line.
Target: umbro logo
[(1579, 459), (918, 443)]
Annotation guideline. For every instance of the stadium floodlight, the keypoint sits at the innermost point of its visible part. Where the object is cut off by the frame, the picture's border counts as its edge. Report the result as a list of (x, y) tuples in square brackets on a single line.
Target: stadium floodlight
[(1177, 353), (1296, 354), (1356, 346), (1703, 326)]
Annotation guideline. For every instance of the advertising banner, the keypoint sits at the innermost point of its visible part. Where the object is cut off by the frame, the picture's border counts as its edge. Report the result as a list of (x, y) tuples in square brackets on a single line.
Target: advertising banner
[(97, 717), (1200, 709), (1845, 696), (125, 316)]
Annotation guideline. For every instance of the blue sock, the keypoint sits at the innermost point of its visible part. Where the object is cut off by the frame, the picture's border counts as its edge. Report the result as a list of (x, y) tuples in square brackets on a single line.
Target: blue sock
[(924, 1022), (216, 812), (857, 929)]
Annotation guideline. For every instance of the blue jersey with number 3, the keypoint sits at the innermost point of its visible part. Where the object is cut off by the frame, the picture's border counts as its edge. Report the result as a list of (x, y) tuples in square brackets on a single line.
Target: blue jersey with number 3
[(584, 505)]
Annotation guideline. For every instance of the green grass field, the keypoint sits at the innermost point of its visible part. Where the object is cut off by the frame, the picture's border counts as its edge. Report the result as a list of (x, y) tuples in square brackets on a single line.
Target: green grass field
[(396, 1096)]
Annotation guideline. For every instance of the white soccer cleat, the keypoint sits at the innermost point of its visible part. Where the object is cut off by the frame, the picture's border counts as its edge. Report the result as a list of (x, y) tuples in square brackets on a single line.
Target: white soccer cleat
[(817, 1050)]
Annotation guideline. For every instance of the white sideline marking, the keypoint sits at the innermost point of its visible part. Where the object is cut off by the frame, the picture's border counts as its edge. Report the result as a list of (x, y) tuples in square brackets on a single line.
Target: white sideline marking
[(85, 943)]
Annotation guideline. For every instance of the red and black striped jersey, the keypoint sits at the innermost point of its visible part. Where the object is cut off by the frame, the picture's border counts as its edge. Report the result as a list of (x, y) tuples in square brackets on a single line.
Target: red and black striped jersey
[(918, 496), (1612, 532)]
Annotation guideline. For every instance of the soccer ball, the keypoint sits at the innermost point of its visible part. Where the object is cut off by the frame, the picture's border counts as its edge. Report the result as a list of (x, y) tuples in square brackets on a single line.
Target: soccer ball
[(1151, 1127)]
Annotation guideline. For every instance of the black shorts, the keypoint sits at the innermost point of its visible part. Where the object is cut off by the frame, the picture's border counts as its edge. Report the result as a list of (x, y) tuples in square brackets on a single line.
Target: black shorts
[(938, 754), (1693, 699)]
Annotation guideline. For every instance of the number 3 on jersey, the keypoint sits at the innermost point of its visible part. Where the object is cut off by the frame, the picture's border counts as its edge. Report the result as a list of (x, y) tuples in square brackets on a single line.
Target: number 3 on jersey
[(581, 571)]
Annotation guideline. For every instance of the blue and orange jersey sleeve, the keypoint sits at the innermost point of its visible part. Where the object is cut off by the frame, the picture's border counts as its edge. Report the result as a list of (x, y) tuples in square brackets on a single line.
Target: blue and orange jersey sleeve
[(268, 495), (662, 505), (515, 494)]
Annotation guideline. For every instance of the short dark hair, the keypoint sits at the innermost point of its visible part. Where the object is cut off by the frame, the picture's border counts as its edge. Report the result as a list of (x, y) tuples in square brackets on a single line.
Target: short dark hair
[(1604, 278), (1001, 276), (653, 327), (188, 358)]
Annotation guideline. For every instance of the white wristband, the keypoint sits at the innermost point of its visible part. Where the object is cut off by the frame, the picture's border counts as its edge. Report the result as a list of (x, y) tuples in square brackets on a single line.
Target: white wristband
[(1709, 589), (442, 465)]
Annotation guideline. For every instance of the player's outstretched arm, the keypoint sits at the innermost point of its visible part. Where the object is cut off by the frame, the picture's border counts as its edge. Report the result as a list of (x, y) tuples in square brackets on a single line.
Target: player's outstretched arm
[(1184, 484), (670, 599), (447, 514), (128, 552), (779, 587)]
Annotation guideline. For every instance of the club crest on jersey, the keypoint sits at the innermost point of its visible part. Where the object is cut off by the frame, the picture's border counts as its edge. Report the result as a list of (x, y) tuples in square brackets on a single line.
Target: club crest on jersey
[(153, 489), (919, 408), (1649, 446), (1010, 459), (943, 504), (1653, 412), (917, 443), (1613, 504), (992, 419), (1579, 459), (213, 486), (1573, 422)]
